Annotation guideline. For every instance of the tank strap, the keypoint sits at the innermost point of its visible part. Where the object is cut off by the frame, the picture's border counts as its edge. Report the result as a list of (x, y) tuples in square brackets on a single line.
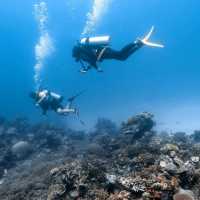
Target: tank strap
[(101, 54)]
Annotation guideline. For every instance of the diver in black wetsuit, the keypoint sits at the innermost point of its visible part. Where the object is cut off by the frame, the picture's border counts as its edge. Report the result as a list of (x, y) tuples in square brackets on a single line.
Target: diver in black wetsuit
[(47, 100), (91, 54)]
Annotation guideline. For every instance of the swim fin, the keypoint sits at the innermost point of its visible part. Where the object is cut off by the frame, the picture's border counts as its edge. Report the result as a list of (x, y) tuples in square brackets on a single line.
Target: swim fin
[(78, 116), (75, 96), (150, 44)]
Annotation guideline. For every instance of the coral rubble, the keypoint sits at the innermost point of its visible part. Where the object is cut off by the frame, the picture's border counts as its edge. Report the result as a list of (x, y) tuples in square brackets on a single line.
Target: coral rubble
[(133, 161)]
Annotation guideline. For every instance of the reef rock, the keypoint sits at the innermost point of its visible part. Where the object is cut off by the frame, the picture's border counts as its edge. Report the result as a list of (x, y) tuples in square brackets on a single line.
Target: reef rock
[(134, 162), (21, 149), (138, 125), (184, 195), (136, 185), (170, 148), (56, 191)]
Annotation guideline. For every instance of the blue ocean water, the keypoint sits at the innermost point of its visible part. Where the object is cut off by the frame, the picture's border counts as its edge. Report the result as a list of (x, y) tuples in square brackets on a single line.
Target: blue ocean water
[(162, 81)]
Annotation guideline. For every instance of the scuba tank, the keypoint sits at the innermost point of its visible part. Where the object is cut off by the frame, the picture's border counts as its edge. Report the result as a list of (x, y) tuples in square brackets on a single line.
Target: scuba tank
[(93, 41), (56, 96)]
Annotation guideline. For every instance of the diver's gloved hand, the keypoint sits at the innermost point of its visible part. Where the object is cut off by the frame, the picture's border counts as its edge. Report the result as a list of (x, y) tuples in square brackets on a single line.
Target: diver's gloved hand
[(83, 71)]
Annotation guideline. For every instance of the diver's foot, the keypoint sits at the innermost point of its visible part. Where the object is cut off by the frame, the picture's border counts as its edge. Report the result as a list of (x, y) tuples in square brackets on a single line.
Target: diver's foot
[(139, 42), (143, 41)]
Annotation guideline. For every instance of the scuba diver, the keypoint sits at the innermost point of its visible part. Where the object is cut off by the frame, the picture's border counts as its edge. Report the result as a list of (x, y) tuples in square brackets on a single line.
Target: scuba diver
[(89, 51), (48, 100)]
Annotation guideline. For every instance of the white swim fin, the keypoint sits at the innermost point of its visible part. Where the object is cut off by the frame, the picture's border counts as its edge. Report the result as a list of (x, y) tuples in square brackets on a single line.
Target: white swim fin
[(150, 44), (149, 34)]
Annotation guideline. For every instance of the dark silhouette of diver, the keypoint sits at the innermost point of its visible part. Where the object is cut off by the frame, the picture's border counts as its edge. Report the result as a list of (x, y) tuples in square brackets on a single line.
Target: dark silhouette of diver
[(48, 100), (89, 54)]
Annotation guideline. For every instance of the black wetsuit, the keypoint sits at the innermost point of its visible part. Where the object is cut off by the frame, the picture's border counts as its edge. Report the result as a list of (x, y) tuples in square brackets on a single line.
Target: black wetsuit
[(55, 104), (51, 103), (92, 54), (122, 54)]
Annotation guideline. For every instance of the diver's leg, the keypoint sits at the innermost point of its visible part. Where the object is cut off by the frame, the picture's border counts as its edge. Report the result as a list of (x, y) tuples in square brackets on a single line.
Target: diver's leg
[(124, 53), (129, 49)]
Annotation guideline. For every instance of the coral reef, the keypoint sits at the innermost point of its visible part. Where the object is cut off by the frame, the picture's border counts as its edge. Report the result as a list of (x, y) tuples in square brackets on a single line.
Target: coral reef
[(44, 162)]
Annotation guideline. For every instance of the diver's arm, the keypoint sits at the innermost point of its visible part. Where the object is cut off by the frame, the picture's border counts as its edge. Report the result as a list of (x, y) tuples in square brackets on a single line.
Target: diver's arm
[(40, 100), (84, 66), (82, 63), (95, 66), (44, 96)]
